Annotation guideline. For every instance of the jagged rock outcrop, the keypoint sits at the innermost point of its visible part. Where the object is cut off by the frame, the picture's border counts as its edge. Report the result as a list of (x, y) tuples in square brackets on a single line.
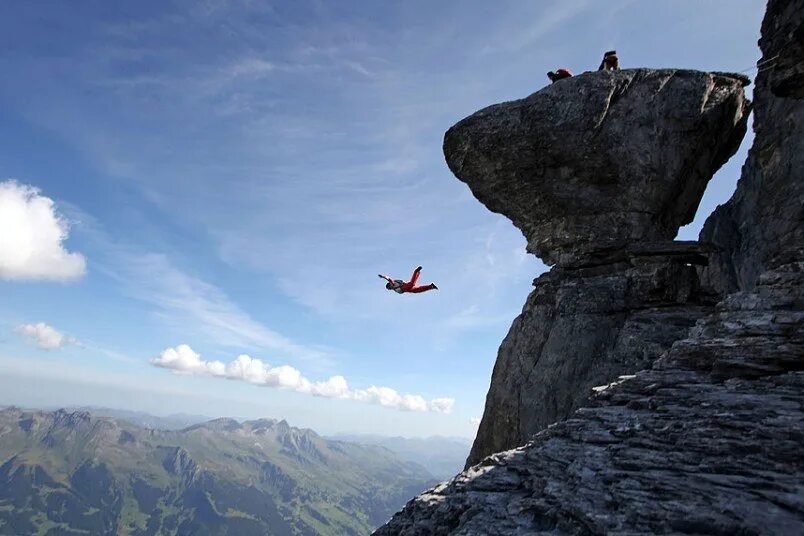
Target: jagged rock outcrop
[(707, 442), (599, 172), (709, 439), (763, 218)]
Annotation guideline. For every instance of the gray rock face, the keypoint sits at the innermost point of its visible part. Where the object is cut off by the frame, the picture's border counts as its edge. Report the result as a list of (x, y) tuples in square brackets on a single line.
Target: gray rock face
[(598, 171), (601, 159), (763, 218), (706, 442), (581, 327), (709, 439)]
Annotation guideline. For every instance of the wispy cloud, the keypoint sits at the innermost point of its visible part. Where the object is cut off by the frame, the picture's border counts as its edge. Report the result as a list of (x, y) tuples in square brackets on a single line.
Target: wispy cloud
[(546, 19), (473, 317), (185, 302), (182, 359), (191, 303)]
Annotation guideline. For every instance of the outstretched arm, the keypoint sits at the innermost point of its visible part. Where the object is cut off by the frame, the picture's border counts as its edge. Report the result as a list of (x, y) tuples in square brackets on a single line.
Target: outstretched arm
[(386, 278)]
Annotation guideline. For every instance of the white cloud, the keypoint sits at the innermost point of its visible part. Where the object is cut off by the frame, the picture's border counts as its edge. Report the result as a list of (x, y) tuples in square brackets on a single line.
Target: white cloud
[(183, 360), (45, 337), (475, 421), (32, 236)]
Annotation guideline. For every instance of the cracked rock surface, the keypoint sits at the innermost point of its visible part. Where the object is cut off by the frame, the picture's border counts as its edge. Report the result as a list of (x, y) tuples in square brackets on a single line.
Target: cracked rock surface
[(709, 438), (603, 158), (708, 441), (581, 327), (598, 171), (763, 218)]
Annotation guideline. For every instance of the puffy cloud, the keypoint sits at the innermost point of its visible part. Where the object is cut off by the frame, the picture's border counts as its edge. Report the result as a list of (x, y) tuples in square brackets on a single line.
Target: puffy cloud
[(385, 396), (45, 337), (182, 359), (475, 421), (32, 236)]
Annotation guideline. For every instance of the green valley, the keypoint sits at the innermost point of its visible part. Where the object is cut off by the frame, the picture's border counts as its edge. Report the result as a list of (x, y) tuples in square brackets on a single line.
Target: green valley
[(70, 473)]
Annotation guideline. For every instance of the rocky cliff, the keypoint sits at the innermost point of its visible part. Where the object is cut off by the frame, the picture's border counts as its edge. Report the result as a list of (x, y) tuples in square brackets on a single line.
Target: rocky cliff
[(763, 218), (707, 442), (709, 438), (599, 172)]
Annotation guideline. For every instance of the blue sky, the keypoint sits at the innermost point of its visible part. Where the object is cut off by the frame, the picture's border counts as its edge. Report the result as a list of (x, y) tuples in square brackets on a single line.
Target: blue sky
[(236, 173)]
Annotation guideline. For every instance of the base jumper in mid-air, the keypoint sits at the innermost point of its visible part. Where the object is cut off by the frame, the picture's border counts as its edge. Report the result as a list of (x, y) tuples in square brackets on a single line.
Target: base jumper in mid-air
[(401, 287)]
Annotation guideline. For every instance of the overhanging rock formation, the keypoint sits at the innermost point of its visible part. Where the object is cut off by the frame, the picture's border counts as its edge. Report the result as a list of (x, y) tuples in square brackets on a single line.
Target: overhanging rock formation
[(598, 171), (601, 159)]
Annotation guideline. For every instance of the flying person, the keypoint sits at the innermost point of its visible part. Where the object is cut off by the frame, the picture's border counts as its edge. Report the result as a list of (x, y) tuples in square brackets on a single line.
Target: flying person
[(401, 287)]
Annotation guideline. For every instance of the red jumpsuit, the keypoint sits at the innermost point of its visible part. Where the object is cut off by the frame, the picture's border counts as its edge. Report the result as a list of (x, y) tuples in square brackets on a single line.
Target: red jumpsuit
[(401, 287), (410, 286)]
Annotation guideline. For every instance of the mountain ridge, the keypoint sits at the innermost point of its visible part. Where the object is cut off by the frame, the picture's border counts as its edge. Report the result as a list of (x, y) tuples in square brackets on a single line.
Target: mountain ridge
[(71, 471)]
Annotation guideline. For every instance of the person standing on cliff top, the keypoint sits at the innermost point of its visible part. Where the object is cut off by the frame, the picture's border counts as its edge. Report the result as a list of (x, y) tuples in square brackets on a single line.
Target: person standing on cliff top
[(610, 62), (401, 287), (559, 74)]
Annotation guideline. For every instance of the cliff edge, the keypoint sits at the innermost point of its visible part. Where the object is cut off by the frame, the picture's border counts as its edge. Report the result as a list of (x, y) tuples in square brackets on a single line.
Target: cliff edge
[(707, 439), (598, 172), (763, 218)]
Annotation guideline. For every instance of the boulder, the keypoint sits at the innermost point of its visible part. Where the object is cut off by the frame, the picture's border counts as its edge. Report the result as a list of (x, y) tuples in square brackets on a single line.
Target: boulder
[(601, 159)]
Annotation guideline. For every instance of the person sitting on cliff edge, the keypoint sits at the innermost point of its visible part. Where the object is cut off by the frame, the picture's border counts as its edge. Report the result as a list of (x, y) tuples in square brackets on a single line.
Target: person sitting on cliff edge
[(610, 62), (401, 287), (559, 74)]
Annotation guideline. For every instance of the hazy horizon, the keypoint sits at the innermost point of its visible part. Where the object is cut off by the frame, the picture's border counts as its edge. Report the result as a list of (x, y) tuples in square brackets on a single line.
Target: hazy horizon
[(101, 411)]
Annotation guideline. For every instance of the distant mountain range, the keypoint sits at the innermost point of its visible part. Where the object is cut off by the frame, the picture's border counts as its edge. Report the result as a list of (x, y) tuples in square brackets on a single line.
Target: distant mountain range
[(175, 421), (69, 472), (444, 457)]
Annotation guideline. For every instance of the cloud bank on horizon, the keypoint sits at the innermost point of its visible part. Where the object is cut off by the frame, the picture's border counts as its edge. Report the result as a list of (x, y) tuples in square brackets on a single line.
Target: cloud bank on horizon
[(32, 236), (182, 359)]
